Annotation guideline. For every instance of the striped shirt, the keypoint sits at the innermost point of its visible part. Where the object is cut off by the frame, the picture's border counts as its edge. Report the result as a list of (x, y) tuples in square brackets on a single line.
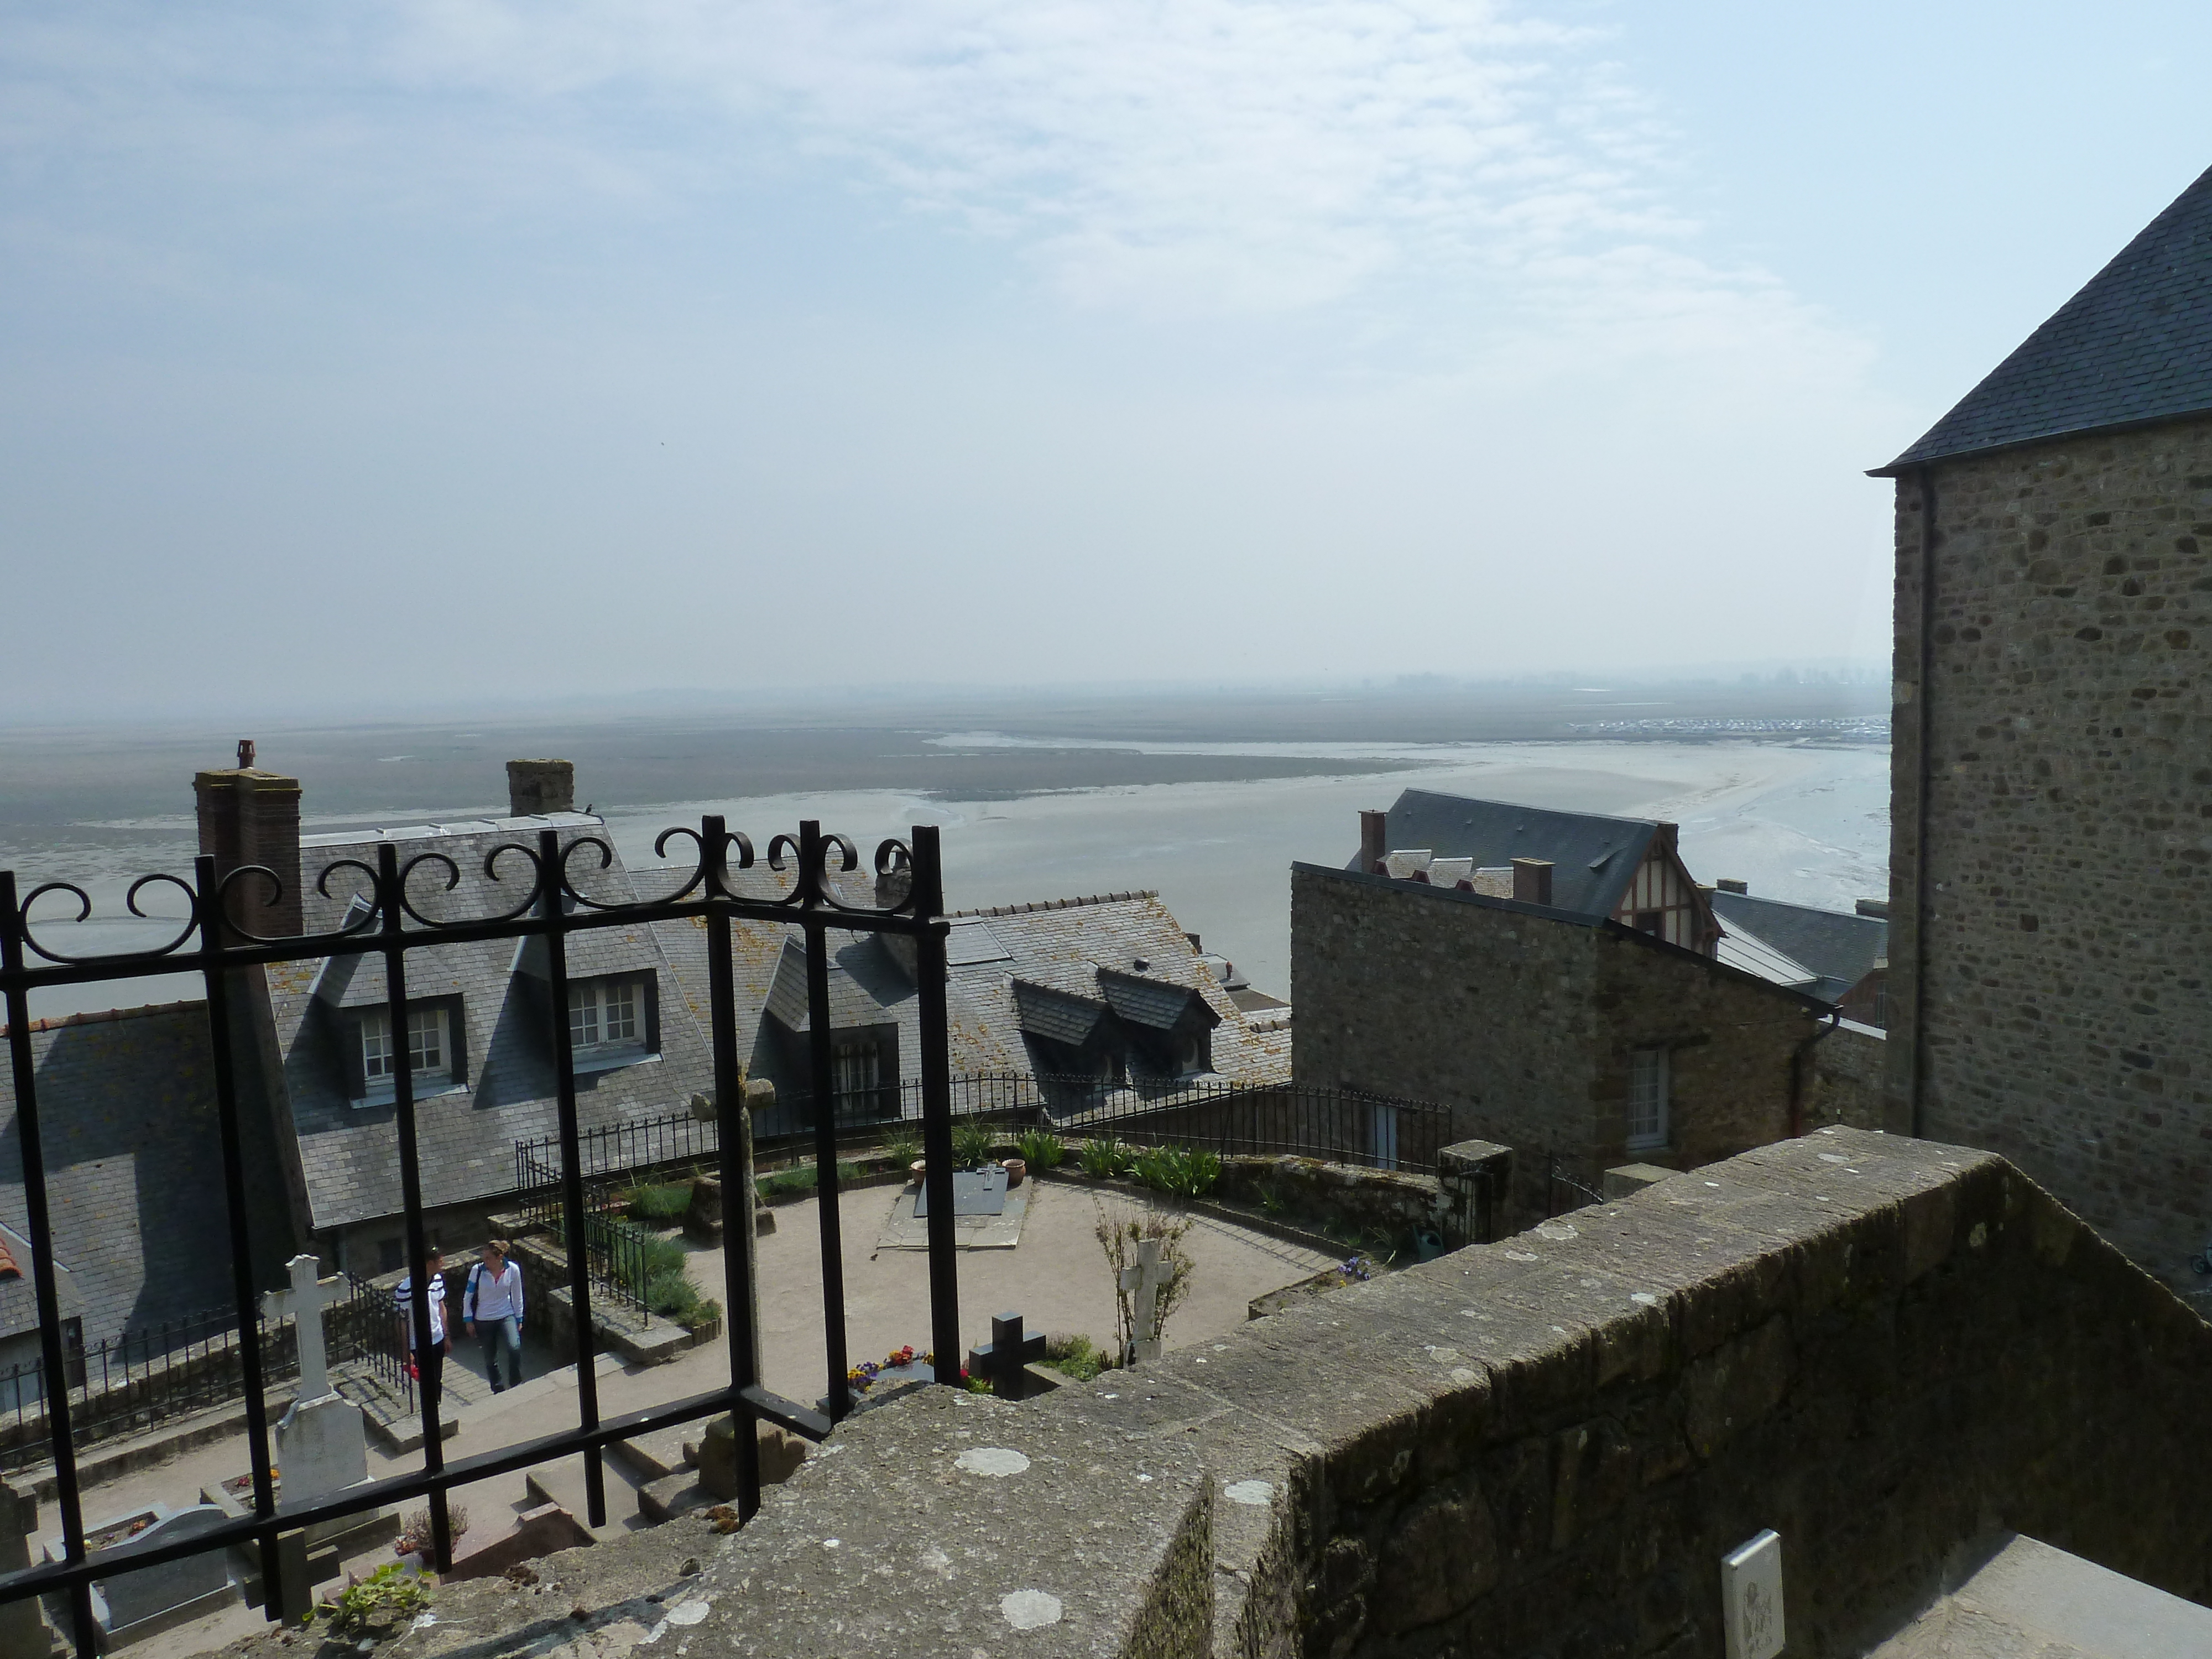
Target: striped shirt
[(403, 1299), (490, 1297)]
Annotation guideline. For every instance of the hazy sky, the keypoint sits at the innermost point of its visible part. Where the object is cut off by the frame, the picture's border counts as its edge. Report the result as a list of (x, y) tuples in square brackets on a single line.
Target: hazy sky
[(360, 351)]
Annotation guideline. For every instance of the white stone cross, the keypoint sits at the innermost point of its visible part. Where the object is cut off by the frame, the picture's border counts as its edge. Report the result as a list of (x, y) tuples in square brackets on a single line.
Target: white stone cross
[(303, 1304), (1147, 1278)]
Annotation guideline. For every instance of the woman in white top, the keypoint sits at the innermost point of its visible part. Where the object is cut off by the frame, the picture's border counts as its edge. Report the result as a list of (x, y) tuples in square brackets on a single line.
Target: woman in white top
[(491, 1308)]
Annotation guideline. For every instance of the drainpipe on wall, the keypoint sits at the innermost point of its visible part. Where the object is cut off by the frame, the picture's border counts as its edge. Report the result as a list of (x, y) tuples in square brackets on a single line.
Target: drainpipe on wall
[(1801, 1065), (1921, 885)]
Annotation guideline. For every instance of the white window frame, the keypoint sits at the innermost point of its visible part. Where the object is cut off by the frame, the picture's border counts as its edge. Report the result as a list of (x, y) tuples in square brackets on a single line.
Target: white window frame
[(430, 1047), (592, 1005), (1651, 1103)]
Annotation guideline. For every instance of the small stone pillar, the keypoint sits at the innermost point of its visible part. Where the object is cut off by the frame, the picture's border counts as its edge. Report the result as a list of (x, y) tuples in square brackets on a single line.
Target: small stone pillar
[(536, 787), (22, 1632), (1629, 1179), (1476, 1177)]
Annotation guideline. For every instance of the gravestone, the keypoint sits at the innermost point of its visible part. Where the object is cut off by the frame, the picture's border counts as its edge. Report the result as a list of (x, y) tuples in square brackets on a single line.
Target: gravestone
[(322, 1440), (974, 1192), (23, 1633), (132, 1604), (1001, 1359), (1145, 1281)]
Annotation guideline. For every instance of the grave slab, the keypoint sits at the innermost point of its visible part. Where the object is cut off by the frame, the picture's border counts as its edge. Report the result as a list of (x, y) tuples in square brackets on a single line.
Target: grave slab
[(130, 1606), (906, 1231)]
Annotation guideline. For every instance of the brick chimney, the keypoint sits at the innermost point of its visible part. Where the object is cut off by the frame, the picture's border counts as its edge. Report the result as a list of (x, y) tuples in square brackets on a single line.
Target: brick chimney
[(1374, 837), (1532, 880), (247, 816), (1730, 884), (540, 786)]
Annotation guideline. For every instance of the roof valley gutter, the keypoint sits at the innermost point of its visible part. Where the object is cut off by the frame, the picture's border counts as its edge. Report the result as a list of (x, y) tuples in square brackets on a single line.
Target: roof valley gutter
[(1924, 775)]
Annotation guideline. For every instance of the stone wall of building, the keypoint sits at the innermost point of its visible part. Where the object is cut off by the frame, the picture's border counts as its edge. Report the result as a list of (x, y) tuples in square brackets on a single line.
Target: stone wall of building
[(2048, 964), (1849, 1078), (1729, 1038), (1523, 1023), (1886, 1350), (1487, 1008)]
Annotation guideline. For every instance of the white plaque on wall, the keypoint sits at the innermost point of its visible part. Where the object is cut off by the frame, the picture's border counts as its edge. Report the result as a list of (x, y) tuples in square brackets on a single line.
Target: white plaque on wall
[(1751, 1597)]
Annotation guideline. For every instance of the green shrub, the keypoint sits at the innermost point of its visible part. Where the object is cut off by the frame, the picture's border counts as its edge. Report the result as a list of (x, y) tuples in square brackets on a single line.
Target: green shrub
[(1041, 1149), (903, 1150), (971, 1144), (1076, 1355), (800, 1178), (1195, 1172), (671, 1294), (1153, 1167), (388, 1597), (660, 1203), (1103, 1158)]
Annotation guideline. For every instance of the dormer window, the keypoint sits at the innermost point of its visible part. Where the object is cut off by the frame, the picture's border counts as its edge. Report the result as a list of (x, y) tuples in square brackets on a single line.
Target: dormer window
[(603, 1014), (429, 1051)]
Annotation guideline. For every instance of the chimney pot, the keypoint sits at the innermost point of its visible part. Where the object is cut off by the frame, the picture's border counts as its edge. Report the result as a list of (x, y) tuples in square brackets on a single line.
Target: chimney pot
[(1374, 835), (245, 754), (1532, 880), (1730, 884), (535, 787)]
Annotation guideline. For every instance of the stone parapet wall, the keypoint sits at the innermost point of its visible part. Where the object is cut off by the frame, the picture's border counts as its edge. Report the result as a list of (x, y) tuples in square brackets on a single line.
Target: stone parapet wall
[(1884, 1349), (2065, 674)]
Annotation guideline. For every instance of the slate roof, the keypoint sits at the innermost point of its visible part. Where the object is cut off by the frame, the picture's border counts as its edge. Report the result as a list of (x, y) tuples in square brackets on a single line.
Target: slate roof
[(1055, 948), (1046, 1013), (1142, 1000), (1593, 858), (466, 1135), (126, 1112), (2133, 347), (1837, 948)]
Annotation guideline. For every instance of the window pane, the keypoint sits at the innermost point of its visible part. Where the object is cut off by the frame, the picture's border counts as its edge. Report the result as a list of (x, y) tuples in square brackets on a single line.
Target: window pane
[(583, 1015), (375, 1046), (426, 1039), (620, 1000), (1647, 1097)]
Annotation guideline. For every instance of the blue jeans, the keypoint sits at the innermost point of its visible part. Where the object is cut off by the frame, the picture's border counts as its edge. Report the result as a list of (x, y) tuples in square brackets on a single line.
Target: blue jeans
[(497, 1333)]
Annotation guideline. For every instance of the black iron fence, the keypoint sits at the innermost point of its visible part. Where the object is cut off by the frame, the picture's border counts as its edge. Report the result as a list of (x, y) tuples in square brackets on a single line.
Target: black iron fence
[(1568, 1185), (142, 1379), (219, 941), (1341, 1126)]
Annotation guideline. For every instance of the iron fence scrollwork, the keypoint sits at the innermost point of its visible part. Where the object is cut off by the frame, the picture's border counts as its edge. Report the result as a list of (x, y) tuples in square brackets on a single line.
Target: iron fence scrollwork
[(388, 923)]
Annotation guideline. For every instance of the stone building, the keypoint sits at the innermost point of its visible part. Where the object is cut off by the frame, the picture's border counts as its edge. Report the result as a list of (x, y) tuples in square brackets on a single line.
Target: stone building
[(2052, 866), (1553, 1031), (1839, 955)]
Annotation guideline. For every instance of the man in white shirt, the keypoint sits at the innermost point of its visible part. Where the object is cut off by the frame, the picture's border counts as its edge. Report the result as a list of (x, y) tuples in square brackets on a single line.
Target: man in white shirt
[(430, 1362), (491, 1308)]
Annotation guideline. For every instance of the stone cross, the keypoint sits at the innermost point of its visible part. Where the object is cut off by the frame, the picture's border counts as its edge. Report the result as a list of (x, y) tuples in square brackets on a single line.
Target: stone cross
[(1001, 1359), (303, 1303), (1147, 1279)]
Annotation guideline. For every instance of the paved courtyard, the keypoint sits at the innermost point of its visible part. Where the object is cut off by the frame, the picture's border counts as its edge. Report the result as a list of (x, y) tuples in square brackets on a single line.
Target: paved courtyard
[(1056, 1277)]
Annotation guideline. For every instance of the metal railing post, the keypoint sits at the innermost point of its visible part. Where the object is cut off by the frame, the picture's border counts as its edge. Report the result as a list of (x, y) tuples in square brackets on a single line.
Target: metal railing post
[(730, 1134), (814, 878), (928, 894), (58, 1432)]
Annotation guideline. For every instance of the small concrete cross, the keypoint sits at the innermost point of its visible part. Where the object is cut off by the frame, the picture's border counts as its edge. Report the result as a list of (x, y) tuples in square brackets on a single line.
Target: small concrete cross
[(1001, 1359), (1147, 1279), (303, 1304)]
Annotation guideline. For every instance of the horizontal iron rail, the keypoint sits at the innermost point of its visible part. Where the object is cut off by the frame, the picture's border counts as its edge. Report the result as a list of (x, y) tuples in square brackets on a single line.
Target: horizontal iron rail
[(756, 1403), (312, 947)]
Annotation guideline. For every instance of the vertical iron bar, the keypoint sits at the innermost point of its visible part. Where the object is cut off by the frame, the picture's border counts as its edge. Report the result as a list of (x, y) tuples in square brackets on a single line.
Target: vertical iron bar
[(410, 1194), (33, 1157), (209, 905), (555, 915), (936, 1104), (814, 878)]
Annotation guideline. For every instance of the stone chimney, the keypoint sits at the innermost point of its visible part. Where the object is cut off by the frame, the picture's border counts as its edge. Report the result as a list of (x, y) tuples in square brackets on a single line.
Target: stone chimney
[(1531, 881), (1878, 909), (1374, 837), (540, 786), (1730, 884), (247, 816)]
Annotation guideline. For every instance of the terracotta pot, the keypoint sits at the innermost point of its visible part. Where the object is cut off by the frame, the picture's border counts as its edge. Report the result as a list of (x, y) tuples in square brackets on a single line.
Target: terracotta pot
[(918, 1169), (1015, 1169)]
